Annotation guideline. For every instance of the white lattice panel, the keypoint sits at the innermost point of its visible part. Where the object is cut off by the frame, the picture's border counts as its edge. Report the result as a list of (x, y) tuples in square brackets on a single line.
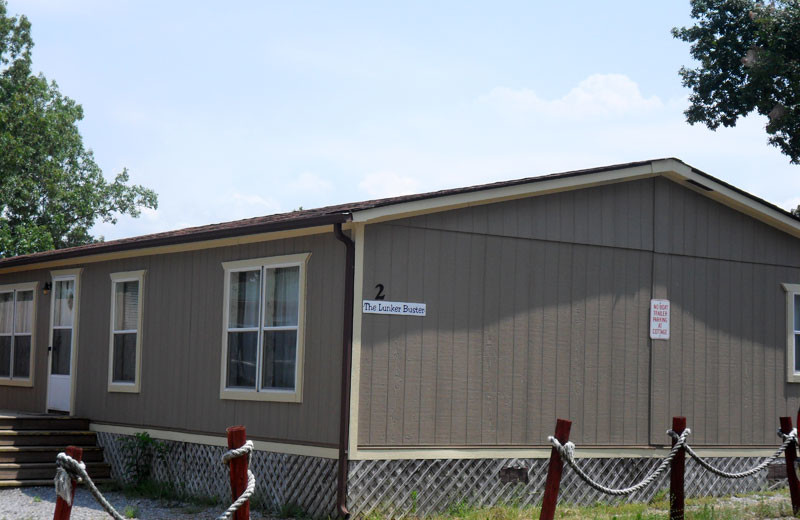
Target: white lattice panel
[(398, 488), (195, 469), (389, 487)]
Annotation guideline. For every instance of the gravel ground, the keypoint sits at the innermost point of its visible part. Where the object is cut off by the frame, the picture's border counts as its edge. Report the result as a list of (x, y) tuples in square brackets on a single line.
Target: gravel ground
[(38, 503)]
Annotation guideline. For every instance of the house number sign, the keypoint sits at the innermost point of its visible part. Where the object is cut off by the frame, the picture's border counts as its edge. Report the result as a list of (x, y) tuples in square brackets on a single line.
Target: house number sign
[(396, 308), (659, 319)]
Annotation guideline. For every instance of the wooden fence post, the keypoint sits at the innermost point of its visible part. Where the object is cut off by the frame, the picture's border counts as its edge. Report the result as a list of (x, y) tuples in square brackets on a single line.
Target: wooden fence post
[(63, 510), (237, 436), (676, 472), (791, 474), (554, 471)]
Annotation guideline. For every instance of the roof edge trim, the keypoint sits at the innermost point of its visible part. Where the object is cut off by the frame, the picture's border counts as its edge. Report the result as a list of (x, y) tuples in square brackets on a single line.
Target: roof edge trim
[(534, 186), (172, 240)]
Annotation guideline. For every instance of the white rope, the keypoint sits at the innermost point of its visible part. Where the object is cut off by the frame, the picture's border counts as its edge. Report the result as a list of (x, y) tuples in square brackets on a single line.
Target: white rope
[(77, 470), (68, 469), (787, 440), (567, 452), (227, 457)]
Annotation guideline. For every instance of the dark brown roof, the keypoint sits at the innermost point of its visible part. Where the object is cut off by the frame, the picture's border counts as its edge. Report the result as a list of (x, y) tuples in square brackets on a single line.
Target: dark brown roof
[(312, 217)]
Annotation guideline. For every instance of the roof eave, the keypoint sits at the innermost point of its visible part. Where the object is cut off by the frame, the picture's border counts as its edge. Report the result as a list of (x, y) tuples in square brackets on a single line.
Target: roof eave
[(171, 240)]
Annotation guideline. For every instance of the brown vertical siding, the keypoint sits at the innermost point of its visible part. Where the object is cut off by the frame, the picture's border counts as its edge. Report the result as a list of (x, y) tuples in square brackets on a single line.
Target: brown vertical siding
[(541, 309), (181, 345), (537, 308), (515, 357)]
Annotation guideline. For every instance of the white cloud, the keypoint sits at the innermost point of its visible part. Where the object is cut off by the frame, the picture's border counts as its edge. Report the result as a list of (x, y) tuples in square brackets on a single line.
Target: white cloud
[(309, 182), (597, 95), (388, 184)]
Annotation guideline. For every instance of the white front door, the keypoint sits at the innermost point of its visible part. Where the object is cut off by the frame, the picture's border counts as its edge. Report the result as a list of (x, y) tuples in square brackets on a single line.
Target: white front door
[(62, 339)]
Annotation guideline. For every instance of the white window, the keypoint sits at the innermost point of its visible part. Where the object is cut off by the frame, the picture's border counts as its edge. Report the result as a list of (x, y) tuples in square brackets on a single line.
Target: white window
[(125, 342), (792, 332), (17, 306), (262, 344)]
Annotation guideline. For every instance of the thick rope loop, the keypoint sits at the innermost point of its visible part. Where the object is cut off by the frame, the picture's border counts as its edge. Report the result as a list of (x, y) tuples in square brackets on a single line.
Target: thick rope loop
[(788, 439), (567, 453), (68, 469), (245, 450), (77, 470)]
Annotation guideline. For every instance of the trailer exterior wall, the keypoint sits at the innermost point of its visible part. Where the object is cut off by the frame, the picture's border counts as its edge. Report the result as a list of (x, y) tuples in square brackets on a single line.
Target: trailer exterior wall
[(538, 308), (181, 346)]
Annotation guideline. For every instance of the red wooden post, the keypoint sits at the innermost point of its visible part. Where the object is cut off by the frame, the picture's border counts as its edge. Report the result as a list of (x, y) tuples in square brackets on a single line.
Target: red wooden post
[(63, 510), (676, 471), (554, 472), (236, 439), (791, 474)]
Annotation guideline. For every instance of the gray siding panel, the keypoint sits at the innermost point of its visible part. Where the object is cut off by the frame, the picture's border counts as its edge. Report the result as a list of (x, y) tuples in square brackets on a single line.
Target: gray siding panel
[(615, 215), (541, 310), (725, 360), (181, 345), (522, 313)]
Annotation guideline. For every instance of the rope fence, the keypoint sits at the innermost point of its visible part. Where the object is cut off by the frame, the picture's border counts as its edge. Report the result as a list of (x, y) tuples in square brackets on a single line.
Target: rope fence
[(564, 452), (71, 471)]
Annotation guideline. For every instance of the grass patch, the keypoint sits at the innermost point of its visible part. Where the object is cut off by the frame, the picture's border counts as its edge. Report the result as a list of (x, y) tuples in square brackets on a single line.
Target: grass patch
[(131, 512), (750, 506)]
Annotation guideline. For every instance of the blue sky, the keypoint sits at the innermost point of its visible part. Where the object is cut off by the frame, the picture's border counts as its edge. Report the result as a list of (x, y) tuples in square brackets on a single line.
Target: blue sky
[(238, 109)]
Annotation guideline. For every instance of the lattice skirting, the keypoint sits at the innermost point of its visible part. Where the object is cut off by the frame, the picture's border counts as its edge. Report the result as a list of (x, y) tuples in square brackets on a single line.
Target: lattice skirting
[(398, 488), (195, 469)]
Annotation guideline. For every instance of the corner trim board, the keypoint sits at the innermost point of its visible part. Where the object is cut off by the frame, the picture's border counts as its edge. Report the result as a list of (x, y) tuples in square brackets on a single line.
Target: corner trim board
[(355, 366)]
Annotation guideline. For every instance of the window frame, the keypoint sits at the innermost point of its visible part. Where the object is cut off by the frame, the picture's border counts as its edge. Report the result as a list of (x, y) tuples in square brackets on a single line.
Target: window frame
[(11, 380), (267, 394), (123, 386), (792, 290)]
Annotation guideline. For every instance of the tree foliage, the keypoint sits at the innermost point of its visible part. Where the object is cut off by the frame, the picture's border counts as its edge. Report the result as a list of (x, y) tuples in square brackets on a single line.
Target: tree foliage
[(51, 189), (749, 60)]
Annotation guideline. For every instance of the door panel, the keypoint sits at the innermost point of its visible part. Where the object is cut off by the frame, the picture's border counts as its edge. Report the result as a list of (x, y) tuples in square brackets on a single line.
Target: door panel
[(62, 341)]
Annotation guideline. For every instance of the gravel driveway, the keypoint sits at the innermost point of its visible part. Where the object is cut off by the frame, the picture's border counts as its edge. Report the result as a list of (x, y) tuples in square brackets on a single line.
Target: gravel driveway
[(38, 503)]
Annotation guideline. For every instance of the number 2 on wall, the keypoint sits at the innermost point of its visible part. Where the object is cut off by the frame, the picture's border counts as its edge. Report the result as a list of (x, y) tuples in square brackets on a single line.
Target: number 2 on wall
[(380, 295)]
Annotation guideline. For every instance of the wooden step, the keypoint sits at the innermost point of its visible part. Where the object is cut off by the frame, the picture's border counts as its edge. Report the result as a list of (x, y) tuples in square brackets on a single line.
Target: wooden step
[(43, 470), (21, 454), (47, 438), (44, 422)]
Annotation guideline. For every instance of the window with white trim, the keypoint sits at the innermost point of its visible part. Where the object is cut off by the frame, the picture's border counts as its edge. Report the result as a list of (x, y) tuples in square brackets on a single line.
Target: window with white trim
[(17, 306), (263, 328), (792, 332), (126, 331)]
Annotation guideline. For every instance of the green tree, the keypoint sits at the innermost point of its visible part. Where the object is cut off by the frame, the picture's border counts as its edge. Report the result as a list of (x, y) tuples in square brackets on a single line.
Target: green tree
[(51, 189), (749, 60)]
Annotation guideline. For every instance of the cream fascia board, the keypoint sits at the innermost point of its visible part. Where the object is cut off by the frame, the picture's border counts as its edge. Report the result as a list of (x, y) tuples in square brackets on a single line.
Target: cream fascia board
[(791, 291), (214, 440), (355, 359), (544, 453), (670, 168), (284, 396), (177, 248), (489, 196), (676, 170), (25, 286), (128, 276)]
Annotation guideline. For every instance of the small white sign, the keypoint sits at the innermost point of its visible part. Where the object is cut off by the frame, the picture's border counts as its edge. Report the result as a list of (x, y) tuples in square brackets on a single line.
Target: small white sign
[(659, 319), (397, 308)]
